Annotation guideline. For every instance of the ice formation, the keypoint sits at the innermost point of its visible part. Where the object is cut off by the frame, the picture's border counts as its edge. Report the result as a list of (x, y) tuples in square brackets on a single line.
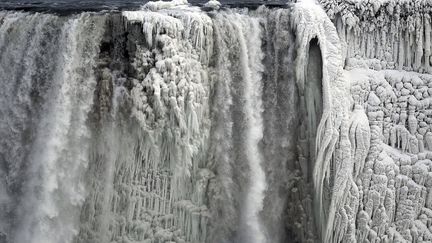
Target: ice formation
[(174, 123)]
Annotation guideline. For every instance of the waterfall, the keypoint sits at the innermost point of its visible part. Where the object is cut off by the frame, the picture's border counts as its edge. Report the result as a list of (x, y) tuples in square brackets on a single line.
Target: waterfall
[(251, 68), (306, 121), (49, 197), (153, 127), (249, 85), (171, 123)]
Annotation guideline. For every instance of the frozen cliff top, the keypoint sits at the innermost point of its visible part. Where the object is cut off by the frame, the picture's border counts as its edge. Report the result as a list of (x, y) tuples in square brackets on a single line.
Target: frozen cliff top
[(369, 9)]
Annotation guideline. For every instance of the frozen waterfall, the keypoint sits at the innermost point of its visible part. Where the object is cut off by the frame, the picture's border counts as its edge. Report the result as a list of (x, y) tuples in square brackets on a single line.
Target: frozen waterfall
[(309, 121)]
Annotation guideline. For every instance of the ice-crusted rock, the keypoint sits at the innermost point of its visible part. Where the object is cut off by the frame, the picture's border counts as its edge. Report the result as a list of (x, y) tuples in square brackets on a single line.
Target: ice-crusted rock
[(396, 190), (379, 36)]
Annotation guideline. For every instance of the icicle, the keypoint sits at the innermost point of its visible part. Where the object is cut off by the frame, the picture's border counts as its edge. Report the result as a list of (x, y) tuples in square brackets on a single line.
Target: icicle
[(427, 42), (419, 22), (359, 138)]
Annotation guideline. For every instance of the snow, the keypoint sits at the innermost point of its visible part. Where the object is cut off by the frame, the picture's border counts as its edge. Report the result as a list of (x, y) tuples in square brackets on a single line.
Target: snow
[(213, 4)]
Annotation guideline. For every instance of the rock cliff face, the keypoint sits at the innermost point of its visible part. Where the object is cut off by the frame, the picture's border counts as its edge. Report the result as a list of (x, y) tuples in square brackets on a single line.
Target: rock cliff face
[(174, 123)]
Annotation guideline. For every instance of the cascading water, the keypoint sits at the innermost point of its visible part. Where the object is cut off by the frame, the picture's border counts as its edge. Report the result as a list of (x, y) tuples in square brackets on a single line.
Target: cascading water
[(251, 68), (164, 124), (47, 96), (247, 112)]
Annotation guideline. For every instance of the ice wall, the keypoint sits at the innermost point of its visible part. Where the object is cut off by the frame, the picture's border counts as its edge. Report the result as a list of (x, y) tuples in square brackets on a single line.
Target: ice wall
[(386, 48), (394, 195), (158, 176), (332, 171)]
